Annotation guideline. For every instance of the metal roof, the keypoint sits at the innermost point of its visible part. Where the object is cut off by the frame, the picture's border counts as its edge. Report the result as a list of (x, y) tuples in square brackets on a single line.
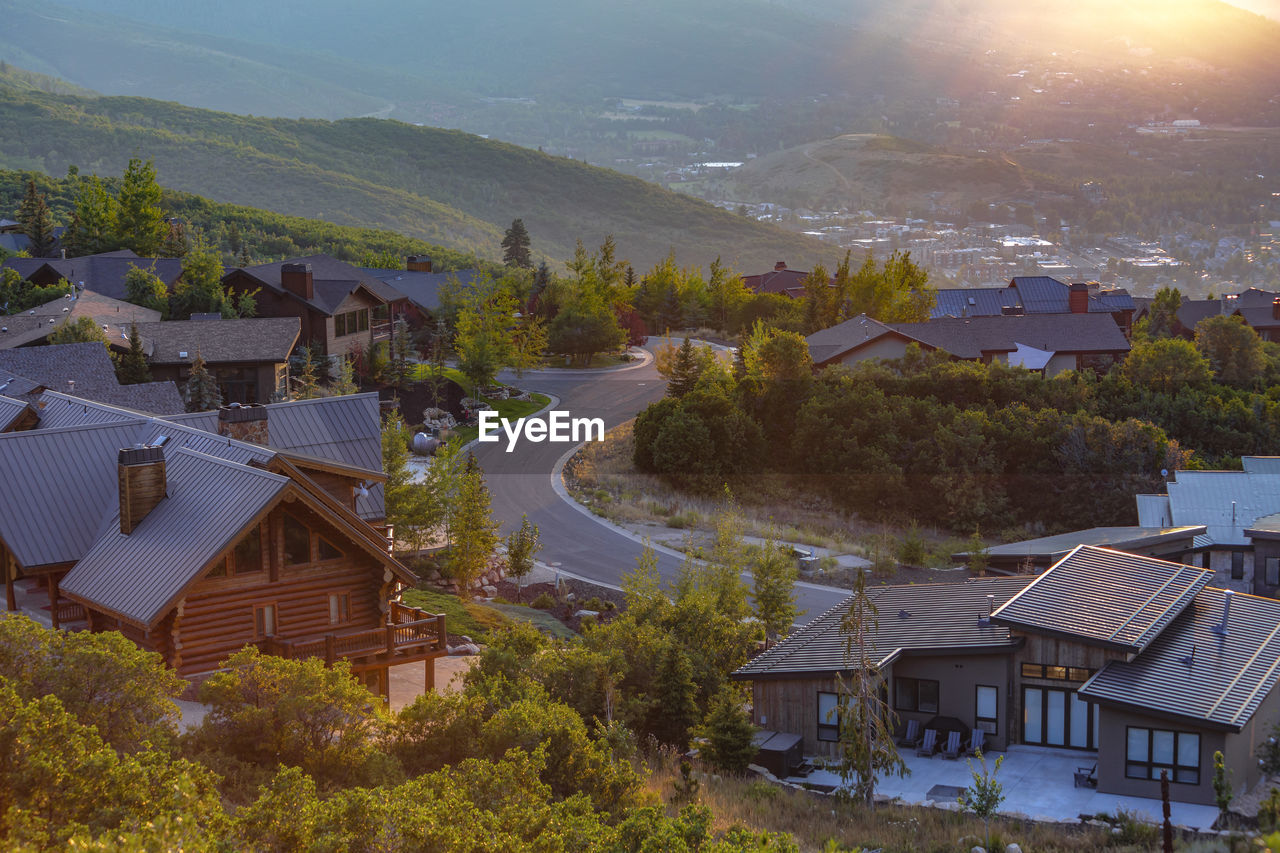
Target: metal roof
[(208, 504), (1119, 538), (11, 410), (912, 617), (1193, 671), (1105, 597), (1261, 464), (973, 337), (1226, 502), (973, 302), (61, 483), (62, 410)]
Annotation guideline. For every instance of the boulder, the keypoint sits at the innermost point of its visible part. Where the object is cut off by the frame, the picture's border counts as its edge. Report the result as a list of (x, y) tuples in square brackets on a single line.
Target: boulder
[(490, 591), (594, 614), (1012, 848), (464, 649)]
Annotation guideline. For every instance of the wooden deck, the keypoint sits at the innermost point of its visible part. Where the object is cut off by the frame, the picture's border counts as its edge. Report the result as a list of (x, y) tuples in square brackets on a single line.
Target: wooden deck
[(409, 635)]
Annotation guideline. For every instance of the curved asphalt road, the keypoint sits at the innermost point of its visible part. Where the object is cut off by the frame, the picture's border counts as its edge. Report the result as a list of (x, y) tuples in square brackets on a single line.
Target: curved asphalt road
[(581, 544)]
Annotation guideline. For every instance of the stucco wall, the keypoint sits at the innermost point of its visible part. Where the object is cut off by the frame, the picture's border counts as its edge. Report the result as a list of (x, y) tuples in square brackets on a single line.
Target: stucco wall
[(1113, 726), (886, 348), (958, 677)]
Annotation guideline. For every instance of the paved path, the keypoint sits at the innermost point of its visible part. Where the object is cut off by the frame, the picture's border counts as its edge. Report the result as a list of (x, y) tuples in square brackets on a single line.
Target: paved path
[(526, 479)]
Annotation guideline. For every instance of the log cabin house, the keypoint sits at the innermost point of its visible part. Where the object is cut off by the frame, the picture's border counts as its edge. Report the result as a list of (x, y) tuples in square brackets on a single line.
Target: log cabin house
[(196, 543), (1133, 661)]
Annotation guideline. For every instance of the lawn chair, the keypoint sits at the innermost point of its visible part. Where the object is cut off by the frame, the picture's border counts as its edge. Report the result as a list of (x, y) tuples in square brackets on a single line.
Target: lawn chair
[(930, 744), (911, 737), (977, 742), (952, 749), (1087, 777)]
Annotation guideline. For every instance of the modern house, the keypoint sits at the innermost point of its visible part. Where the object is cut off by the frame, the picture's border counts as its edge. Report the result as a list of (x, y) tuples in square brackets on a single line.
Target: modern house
[(1032, 556), (1259, 308), (341, 309), (248, 358), (194, 544), (82, 371), (1048, 343), (1038, 294), (102, 273), (420, 284), (1134, 662)]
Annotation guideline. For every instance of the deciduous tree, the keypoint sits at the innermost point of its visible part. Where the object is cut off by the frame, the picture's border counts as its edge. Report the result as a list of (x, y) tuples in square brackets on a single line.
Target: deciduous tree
[(143, 287), (1233, 349), (522, 549)]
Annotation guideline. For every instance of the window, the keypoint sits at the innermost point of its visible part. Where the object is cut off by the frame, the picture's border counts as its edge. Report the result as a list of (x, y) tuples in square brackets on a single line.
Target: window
[(264, 621), (1056, 673), (328, 551), (351, 322), (1148, 751), (297, 542), (220, 570), (915, 694), (1273, 571), (1237, 565), (248, 553), (828, 716), (986, 700), (381, 313), (339, 608)]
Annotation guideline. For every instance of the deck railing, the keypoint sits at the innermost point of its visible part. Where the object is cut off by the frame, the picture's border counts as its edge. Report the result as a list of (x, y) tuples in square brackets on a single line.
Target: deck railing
[(409, 632)]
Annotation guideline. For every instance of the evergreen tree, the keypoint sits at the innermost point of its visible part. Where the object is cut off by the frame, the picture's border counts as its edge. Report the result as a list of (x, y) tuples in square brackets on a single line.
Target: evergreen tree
[(523, 546), (175, 240), (515, 246), (141, 221), (133, 366), (685, 369), (308, 378), (346, 382), (865, 719), (144, 287), (400, 365), (674, 709), (472, 531), (36, 222), (201, 290), (412, 507), (729, 734), (93, 221), (774, 574), (203, 394)]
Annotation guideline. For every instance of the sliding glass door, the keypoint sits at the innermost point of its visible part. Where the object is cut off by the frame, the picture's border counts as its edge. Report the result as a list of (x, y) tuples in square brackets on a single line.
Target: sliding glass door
[(1055, 717)]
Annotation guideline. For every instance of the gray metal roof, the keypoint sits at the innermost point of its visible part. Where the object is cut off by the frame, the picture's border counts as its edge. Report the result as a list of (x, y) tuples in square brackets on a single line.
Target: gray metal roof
[(422, 288), (973, 302), (1120, 538), (1261, 464), (11, 410), (62, 410), (913, 617), (1193, 671), (1226, 502), (207, 506), (1104, 597), (61, 483)]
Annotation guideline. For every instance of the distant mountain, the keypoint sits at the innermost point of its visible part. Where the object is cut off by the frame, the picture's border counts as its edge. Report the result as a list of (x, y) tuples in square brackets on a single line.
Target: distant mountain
[(445, 187)]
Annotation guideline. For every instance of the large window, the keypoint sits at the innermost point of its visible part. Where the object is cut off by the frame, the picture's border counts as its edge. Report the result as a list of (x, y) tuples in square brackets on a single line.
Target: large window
[(986, 705), (351, 322), (297, 542), (1056, 717), (1273, 571), (248, 553), (1055, 673), (915, 694), (828, 716), (1148, 751), (1237, 565)]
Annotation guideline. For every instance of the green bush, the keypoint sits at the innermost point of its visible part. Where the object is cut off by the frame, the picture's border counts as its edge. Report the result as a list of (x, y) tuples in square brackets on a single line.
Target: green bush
[(543, 602), (912, 549)]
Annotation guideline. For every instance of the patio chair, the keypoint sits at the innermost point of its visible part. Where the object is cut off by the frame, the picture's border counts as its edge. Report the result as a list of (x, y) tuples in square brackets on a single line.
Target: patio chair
[(952, 749), (977, 742), (911, 737), (1087, 777), (929, 745)]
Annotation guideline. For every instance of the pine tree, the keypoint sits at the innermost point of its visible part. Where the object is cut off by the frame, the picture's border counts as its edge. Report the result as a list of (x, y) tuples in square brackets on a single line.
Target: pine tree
[(93, 221), (515, 246), (175, 240), (685, 370), (201, 290), (141, 221), (472, 530), (412, 507), (674, 709), (730, 736), (774, 573), (203, 394), (345, 384), (522, 547), (400, 365), (133, 366), (308, 380), (37, 222)]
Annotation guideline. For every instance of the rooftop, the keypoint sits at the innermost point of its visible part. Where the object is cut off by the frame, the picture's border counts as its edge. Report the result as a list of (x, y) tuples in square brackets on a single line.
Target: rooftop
[(103, 273), (259, 339), (85, 370), (333, 281), (1119, 538), (973, 337)]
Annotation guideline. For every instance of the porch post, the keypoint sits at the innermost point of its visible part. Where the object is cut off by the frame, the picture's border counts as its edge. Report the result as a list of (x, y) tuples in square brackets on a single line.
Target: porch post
[(52, 583), (429, 682), (10, 598)]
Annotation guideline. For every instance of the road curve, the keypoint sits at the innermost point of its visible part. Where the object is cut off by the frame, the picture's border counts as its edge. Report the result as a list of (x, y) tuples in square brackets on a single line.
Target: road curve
[(521, 481)]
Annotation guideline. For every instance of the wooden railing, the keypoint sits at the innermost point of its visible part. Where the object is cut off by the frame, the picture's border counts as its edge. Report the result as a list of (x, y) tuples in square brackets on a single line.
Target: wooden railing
[(70, 611), (380, 330), (409, 632)]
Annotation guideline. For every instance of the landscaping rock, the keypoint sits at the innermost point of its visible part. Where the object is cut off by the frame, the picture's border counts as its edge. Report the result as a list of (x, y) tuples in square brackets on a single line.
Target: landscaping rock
[(1012, 848), (490, 591), (594, 614), (464, 649)]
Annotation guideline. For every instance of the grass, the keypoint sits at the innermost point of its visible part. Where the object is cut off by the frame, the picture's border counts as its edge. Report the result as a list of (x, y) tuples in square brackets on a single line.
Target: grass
[(544, 622), (479, 621), (510, 409), (822, 823)]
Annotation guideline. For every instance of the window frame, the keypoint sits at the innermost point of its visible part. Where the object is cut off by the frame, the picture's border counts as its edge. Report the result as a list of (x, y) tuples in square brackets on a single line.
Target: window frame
[(340, 608), (979, 721), (266, 615), (1151, 768), (1237, 565), (899, 682), (284, 535), (1271, 568), (828, 729)]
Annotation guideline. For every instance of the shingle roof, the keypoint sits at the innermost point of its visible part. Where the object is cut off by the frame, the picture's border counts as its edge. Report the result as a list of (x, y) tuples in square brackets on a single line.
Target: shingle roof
[(103, 273), (37, 323), (1105, 598), (89, 367), (208, 504), (1191, 670), (972, 337), (422, 288), (68, 483), (785, 281), (831, 343), (914, 617), (333, 281), (260, 339)]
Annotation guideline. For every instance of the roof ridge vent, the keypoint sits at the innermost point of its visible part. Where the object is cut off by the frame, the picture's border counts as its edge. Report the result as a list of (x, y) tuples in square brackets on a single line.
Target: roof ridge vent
[(904, 614)]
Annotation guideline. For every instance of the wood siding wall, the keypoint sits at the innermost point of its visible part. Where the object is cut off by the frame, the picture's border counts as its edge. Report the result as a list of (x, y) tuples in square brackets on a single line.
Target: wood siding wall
[(792, 706), (1051, 651)]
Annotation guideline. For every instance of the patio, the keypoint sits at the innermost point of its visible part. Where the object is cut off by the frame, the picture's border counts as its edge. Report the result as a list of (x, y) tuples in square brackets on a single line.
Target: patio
[(1038, 783)]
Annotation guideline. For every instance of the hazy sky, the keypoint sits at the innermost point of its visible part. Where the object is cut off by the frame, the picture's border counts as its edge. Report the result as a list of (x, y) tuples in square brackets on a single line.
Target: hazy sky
[(1270, 8)]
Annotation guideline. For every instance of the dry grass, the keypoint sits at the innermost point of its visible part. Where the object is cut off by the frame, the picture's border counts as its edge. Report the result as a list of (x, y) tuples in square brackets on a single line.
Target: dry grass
[(820, 822)]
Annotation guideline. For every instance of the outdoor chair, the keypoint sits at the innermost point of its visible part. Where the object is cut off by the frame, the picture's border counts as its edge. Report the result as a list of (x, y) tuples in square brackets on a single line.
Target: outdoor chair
[(930, 744), (977, 740), (952, 749), (911, 737), (1086, 777)]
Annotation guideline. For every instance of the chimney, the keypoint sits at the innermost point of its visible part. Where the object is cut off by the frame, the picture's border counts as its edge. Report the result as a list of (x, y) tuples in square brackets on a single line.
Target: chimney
[(418, 263), (142, 484), (296, 278), (1078, 299), (780, 265), (244, 423), (1275, 308), (1226, 612)]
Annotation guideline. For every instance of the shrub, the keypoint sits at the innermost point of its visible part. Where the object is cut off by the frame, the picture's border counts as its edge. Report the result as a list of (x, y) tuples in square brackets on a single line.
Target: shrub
[(912, 548), (543, 602)]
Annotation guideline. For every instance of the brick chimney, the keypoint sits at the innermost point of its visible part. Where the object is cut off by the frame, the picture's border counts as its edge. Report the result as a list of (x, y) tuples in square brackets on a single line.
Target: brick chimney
[(1078, 299), (418, 263), (780, 265), (244, 423), (296, 278), (142, 484)]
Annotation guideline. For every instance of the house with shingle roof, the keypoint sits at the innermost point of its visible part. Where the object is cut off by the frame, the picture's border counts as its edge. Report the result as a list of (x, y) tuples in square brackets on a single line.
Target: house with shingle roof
[(1135, 662), (195, 543), (33, 326), (84, 371), (248, 358), (1037, 294), (103, 273)]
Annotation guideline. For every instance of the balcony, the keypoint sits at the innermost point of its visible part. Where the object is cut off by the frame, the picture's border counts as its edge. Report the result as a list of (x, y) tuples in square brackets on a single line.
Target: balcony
[(409, 635), (380, 331)]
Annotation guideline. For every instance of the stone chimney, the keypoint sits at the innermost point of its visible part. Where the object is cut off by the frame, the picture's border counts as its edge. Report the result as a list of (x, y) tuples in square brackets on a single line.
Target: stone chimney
[(1078, 299), (142, 484), (244, 423), (418, 263), (779, 266), (296, 278)]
